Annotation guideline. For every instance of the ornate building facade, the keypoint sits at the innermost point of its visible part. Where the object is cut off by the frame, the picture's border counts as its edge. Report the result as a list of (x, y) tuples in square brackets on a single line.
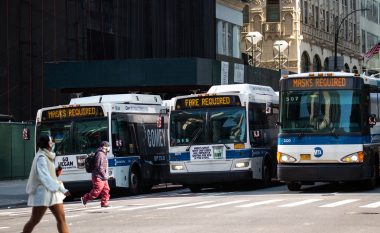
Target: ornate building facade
[(306, 29)]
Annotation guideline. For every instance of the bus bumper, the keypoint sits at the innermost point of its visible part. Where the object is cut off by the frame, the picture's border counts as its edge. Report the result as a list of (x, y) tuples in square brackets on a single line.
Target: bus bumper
[(324, 172), (210, 177)]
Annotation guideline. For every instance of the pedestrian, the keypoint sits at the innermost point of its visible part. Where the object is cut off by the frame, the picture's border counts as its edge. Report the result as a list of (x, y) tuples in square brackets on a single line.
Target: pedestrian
[(100, 185), (44, 188)]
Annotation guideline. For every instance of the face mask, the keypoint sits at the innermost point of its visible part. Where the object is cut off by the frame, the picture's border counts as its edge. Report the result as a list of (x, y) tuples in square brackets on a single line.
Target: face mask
[(52, 146)]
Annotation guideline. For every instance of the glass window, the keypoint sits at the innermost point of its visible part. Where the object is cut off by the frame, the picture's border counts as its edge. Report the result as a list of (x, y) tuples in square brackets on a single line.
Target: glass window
[(326, 111), (88, 135), (123, 136), (76, 137), (196, 127), (227, 125), (273, 10)]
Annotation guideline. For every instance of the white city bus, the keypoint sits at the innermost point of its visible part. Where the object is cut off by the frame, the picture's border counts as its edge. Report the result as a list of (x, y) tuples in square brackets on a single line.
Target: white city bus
[(328, 129), (227, 135), (130, 122)]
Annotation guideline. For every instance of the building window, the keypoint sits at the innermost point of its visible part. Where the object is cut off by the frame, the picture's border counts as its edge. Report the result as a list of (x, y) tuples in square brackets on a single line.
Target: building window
[(317, 66), (327, 21), (306, 13), (364, 44), (273, 10), (317, 17), (305, 62), (228, 39)]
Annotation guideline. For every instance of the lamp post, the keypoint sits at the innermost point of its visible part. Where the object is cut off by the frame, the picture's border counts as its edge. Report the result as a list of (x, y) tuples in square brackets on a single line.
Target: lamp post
[(337, 34)]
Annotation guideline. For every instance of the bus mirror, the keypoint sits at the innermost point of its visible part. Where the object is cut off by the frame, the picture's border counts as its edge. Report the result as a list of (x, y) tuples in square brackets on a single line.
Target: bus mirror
[(160, 122), (269, 108), (372, 120)]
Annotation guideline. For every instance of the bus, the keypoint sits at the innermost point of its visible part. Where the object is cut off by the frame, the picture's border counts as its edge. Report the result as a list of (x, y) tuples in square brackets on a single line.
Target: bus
[(134, 124), (226, 135), (327, 129)]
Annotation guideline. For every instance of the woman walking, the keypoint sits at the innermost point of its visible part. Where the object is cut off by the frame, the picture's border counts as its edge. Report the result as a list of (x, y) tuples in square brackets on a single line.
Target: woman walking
[(44, 189)]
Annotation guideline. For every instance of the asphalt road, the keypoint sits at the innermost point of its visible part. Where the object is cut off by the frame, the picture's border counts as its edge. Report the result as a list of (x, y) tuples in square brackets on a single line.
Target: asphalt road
[(319, 208)]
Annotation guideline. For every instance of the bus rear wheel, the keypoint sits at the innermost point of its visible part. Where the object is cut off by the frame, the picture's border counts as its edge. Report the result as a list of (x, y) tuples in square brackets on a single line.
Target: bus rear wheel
[(294, 186)]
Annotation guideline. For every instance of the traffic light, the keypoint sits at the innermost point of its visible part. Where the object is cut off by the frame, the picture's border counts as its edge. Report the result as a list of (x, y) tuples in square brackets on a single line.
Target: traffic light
[(26, 134)]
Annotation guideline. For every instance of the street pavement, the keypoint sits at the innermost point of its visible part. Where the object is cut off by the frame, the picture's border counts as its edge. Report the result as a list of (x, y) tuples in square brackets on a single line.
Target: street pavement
[(12, 193)]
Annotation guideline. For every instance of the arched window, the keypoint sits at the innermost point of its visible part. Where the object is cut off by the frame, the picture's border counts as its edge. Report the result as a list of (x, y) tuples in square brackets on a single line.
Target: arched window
[(317, 66), (355, 70), (346, 68), (305, 62), (326, 64)]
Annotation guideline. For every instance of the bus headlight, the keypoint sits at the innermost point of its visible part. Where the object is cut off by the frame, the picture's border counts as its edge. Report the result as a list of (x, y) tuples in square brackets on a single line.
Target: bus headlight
[(177, 167), (284, 158), (353, 158), (242, 164)]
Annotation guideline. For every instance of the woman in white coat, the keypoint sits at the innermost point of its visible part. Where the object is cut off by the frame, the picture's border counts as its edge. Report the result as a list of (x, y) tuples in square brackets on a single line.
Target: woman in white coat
[(44, 189)]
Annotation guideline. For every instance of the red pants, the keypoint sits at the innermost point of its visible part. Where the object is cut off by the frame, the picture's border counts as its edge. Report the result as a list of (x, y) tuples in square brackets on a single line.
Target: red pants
[(99, 188)]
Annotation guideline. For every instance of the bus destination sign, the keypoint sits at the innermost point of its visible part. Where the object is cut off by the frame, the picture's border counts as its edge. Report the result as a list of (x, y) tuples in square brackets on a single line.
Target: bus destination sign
[(73, 112), (319, 83), (208, 102)]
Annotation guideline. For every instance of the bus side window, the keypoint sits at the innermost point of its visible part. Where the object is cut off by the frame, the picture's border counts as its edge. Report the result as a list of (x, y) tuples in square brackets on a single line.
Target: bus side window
[(123, 137), (258, 124)]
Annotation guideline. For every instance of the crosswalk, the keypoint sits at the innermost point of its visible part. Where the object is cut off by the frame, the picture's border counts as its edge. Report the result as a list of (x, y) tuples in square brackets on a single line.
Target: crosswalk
[(75, 210)]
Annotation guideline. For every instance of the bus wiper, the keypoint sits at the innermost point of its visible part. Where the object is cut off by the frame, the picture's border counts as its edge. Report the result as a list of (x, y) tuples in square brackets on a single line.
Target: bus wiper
[(227, 147), (196, 136), (333, 133)]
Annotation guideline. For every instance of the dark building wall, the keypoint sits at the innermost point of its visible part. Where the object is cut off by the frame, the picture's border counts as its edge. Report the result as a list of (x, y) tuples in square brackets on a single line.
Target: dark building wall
[(33, 32)]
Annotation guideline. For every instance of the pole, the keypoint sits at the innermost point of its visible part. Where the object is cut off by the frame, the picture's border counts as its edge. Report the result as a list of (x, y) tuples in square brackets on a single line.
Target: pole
[(337, 35)]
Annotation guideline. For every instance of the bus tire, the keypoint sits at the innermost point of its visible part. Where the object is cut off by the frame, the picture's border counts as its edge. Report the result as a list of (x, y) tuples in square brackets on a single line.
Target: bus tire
[(266, 178), (371, 183), (195, 188), (134, 181), (294, 186)]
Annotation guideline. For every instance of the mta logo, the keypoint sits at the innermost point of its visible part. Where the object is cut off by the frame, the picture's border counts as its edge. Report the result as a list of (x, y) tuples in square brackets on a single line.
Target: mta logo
[(318, 152)]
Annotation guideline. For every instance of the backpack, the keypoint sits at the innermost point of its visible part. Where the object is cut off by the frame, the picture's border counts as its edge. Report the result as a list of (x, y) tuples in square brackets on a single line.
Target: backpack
[(89, 162)]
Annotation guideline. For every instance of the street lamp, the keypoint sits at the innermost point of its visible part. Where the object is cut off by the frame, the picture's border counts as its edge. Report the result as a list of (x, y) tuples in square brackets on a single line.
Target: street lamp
[(337, 34), (280, 46), (253, 39)]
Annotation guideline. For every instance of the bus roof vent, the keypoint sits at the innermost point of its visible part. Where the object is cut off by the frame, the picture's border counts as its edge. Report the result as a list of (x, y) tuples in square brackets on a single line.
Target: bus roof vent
[(119, 98), (243, 89)]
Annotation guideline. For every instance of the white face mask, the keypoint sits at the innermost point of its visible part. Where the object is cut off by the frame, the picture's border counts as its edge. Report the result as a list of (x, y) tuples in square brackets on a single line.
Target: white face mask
[(51, 145)]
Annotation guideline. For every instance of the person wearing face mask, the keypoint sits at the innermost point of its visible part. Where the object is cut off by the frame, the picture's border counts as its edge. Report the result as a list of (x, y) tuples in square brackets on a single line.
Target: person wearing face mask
[(100, 187), (44, 189)]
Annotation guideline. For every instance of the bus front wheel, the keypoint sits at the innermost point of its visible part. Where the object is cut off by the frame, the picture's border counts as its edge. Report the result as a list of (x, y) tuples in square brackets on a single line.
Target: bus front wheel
[(134, 182), (294, 186)]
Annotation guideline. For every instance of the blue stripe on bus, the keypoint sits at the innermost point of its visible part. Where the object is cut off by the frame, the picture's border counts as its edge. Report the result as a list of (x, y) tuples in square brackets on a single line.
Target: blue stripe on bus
[(179, 157), (237, 154), (122, 161), (323, 140), (230, 154)]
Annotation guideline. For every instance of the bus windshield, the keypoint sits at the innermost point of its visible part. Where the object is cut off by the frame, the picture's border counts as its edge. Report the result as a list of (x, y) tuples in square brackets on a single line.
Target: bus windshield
[(208, 126), (320, 111), (76, 136)]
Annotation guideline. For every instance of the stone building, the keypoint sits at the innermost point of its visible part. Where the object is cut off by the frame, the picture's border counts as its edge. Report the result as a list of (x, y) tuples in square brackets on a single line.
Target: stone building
[(307, 30)]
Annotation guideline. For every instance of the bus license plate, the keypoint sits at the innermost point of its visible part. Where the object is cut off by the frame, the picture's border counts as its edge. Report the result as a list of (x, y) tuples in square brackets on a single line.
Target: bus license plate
[(305, 156)]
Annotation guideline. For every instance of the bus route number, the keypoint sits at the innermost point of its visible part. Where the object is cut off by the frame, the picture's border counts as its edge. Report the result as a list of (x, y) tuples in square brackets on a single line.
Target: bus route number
[(292, 99)]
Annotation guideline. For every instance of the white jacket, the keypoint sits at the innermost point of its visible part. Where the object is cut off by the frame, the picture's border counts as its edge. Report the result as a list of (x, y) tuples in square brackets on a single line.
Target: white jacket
[(43, 187)]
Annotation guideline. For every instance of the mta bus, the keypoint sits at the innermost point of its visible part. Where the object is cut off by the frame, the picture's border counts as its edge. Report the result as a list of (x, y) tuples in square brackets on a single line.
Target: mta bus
[(134, 124), (328, 129), (226, 135)]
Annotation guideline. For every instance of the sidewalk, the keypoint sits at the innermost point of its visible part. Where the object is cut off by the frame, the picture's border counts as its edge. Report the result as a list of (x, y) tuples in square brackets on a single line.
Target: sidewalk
[(12, 193)]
